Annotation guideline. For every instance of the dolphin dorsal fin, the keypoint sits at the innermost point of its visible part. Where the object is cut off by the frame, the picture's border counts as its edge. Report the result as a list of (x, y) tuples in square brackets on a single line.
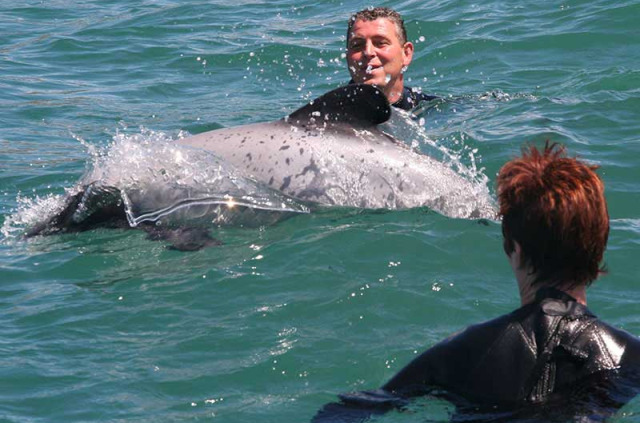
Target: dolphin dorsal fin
[(356, 104)]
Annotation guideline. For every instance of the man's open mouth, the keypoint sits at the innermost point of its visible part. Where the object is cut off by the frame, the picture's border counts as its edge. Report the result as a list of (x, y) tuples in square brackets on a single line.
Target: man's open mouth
[(371, 68)]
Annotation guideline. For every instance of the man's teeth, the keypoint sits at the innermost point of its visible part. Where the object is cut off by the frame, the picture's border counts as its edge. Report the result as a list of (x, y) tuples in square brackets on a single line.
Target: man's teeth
[(370, 68)]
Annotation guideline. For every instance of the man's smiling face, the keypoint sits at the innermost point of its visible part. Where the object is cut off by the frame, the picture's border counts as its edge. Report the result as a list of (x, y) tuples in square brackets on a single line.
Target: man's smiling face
[(376, 55)]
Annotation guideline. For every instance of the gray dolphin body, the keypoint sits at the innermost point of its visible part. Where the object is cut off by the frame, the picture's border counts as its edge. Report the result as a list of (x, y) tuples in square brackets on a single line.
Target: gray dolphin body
[(332, 152), (329, 152)]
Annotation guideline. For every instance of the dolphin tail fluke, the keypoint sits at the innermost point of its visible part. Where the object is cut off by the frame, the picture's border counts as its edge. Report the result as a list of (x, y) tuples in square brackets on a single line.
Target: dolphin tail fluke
[(56, 222), (91, 207), (98, 206)]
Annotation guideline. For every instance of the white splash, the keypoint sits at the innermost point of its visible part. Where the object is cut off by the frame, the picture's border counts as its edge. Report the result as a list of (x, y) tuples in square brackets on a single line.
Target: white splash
[(29, 212), (473, 198), (156, 178)]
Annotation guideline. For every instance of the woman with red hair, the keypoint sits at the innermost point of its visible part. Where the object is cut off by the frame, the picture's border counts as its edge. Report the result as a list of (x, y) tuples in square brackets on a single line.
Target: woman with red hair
[(554, 221), (552, 356)]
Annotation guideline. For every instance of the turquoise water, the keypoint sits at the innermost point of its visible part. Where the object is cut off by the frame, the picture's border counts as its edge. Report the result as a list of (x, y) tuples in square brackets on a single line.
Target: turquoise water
[(109, 326)]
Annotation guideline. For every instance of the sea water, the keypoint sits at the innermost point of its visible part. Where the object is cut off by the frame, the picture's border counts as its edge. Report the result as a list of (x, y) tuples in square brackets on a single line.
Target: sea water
[(107, 325)]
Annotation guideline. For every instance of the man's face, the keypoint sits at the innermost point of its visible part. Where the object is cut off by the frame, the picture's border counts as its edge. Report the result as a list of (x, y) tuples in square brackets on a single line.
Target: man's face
[(376, 56)]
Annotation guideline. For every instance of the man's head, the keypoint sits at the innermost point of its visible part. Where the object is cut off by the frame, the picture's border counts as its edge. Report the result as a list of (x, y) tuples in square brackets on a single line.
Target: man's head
[(378, 52), (554, 208)]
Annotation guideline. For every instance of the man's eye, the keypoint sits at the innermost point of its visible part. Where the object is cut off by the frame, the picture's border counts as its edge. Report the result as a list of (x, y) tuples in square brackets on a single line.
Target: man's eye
[(356, 45)]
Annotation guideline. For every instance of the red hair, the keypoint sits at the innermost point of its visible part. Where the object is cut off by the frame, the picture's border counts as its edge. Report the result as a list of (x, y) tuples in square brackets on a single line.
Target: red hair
[(554, 207)]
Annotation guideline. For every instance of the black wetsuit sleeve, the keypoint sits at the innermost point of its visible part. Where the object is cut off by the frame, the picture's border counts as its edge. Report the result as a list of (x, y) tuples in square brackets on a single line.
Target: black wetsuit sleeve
[(429, 369), (358, 406), (446, 365), (457, 364), (343, 412)]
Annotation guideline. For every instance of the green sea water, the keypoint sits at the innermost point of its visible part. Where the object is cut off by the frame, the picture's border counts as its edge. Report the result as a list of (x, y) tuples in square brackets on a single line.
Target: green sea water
[(107, 325)]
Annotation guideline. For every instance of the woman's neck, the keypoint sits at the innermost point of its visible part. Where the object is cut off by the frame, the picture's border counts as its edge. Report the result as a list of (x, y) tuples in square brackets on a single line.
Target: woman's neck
[(528, 290), (526, 279)]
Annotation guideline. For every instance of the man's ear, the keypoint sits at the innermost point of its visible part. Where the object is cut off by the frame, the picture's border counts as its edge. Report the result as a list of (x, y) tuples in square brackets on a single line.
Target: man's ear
[(407, 53)]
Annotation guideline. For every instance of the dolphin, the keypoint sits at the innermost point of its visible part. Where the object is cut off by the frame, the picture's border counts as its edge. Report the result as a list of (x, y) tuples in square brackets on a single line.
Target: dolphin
[(330, 152), (333, 152)]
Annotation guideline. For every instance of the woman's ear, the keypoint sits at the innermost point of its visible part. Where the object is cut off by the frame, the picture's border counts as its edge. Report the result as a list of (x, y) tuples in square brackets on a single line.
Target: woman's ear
[(515, 258), (507, 245)]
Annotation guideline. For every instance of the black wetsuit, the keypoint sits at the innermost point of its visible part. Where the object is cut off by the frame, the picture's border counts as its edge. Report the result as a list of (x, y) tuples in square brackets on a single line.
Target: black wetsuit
[(411, 98), (553, 351)]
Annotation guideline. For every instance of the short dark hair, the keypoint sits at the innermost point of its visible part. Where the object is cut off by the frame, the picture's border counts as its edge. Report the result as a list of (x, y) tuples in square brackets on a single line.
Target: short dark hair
[(554, 207), (373, 13)]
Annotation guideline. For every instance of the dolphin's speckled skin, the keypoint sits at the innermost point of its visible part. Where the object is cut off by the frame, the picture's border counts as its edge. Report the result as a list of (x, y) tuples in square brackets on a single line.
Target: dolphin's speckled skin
[(331, 152)]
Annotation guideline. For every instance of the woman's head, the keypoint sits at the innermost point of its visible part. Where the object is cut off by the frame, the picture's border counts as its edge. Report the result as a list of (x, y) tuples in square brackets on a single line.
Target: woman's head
[(554, 207)]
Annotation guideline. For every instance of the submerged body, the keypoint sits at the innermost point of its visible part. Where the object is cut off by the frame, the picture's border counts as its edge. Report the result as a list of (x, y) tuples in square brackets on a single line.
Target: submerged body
[(553, 351)]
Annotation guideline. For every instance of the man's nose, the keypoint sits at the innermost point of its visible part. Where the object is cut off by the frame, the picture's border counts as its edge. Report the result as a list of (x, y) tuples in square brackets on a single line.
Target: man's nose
[(369, 49)]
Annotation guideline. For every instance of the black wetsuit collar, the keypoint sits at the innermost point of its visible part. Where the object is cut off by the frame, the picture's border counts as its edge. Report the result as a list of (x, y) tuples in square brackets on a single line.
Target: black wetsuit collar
[(558, 303), (409, 98)]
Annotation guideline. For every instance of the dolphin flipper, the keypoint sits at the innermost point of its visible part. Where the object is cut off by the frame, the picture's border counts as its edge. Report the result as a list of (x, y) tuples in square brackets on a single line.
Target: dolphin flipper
[(182, 238)]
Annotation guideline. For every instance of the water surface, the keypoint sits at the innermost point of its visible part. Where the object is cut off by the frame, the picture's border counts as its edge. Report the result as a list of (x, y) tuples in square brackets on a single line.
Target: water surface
[(109, 326)]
